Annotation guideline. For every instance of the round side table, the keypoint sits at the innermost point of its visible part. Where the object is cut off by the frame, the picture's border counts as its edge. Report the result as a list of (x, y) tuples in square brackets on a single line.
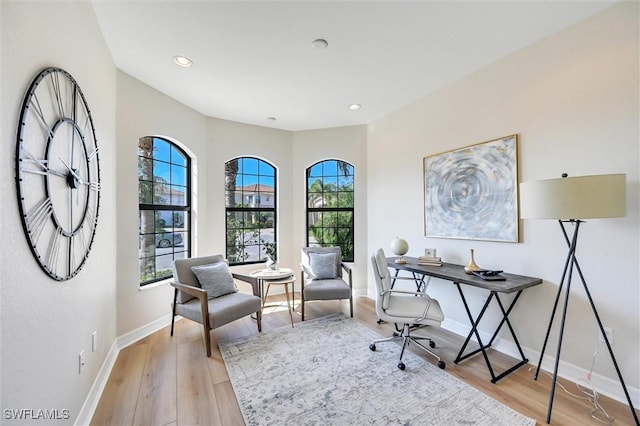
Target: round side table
[(284, 282), (281, 276)]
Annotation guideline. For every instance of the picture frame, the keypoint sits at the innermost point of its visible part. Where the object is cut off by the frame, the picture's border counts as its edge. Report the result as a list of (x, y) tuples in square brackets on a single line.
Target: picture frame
[(472, 192)]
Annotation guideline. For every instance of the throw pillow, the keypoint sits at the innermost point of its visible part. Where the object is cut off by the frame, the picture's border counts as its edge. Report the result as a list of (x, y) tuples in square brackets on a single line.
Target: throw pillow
[(323, 266), (216, 279)]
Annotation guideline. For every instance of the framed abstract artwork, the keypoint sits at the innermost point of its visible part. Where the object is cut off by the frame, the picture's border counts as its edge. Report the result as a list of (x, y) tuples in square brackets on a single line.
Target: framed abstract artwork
[(472, 192)]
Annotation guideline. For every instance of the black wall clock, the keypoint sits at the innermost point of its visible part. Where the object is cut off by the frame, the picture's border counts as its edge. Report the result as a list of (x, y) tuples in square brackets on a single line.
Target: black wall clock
[(57, 173)]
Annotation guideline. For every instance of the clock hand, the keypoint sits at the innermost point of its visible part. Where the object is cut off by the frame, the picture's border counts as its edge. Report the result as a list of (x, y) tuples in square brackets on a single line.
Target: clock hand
[(92, 185), (73, 172)]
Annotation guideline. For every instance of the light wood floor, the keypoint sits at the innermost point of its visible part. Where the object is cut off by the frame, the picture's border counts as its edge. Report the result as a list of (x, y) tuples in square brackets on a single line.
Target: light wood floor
[(163, 380)]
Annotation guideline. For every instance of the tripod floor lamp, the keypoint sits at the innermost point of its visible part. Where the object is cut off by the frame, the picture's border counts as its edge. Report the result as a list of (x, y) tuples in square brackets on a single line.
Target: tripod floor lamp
[(570, 200)]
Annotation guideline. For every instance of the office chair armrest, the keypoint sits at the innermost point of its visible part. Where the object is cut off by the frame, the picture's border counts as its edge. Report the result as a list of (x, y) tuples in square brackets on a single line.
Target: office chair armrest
[(413, 293), (248, 279)]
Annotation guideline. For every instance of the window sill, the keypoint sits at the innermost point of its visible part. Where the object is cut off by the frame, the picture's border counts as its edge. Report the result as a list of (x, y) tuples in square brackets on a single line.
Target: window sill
[(154, 285)]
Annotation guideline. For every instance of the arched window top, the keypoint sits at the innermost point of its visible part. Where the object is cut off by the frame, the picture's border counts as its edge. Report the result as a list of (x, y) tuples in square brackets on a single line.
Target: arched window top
[(331, 167)]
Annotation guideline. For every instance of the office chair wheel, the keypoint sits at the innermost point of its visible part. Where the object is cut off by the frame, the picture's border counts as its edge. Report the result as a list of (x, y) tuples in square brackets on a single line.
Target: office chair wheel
[(372, 347), (401, 366), (432, 344), (441, 365)]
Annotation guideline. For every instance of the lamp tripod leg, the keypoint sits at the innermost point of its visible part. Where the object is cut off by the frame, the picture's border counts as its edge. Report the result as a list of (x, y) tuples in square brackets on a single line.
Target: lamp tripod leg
[(555, 304)]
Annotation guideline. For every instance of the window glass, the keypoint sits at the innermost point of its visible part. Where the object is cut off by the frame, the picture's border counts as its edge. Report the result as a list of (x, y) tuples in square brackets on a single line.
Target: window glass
[(330, 218), (164, 229), (250, 203)]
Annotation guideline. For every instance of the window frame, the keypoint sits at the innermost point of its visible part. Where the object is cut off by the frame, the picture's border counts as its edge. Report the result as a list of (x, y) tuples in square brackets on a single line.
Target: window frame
[(185, 249), (346, 257), (231, 248)]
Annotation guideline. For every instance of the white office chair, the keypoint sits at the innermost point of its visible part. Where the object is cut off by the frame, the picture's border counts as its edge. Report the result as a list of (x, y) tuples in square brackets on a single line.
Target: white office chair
[(408, 308)]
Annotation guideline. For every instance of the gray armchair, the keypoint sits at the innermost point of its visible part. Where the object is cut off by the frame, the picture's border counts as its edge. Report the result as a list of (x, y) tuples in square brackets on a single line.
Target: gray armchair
[(219, 302), (322, 277)]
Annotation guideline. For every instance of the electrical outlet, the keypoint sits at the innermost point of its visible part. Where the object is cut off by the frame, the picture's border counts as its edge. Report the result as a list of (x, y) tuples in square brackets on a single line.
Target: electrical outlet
[(609, 332), (94, 341), (80, 361)]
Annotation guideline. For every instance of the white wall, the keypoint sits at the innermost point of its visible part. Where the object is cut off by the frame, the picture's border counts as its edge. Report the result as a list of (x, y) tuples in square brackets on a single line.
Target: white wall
[(44, 323), (573, 100), (143, 111)]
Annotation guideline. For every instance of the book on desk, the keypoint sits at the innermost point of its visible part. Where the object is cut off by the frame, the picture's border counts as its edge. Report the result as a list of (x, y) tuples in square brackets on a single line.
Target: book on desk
[(430, 261)]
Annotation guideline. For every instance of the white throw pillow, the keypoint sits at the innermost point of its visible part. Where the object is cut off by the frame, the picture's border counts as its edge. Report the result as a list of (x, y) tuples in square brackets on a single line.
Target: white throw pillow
[(216, 279), (323, 266)]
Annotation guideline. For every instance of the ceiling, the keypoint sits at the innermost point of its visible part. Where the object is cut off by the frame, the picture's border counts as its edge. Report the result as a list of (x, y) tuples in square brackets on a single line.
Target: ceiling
[(253, 61)]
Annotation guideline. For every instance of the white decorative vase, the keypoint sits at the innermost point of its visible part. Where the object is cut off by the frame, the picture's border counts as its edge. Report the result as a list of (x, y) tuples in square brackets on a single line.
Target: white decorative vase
[(271, 264)]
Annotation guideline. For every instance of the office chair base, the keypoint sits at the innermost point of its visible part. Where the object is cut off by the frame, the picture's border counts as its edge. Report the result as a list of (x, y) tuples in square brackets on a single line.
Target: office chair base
[(406, 340)]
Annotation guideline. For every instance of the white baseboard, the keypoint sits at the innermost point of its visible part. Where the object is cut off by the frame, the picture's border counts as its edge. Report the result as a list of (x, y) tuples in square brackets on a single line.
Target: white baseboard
[(91, 401), (603, 385), (141, 332)]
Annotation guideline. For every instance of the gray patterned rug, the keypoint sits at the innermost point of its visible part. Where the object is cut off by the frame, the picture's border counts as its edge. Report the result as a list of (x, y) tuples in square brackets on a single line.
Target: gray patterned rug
[(323, 373)]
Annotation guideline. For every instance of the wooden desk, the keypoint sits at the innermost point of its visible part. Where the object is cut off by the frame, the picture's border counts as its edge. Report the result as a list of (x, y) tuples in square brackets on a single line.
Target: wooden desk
[(455, 273)]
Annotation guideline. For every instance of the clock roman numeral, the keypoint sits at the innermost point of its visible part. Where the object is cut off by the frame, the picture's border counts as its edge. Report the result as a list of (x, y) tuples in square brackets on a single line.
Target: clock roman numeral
[(55, 84), (37, 218), (93, 155), (35, 104), (53, 251), (32, 159), (74, 102), (43, 164)]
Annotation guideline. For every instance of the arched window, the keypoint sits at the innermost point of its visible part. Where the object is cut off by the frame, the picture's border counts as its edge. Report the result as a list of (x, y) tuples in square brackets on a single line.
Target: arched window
[(330, 188), (251, 210), (164, 211)]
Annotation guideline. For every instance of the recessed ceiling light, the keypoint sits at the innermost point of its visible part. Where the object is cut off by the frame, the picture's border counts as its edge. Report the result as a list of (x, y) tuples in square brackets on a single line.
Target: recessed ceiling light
[(271, 119), (319, 43), (182, 61), (355, 107)]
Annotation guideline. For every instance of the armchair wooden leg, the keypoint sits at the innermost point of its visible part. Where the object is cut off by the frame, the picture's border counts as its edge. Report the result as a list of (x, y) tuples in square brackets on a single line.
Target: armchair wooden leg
[(351, 305), (207, 339), (302, 302), (259, 320), (173, 309)]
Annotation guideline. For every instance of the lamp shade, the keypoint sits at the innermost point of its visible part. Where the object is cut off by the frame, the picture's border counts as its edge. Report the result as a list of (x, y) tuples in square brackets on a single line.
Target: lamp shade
[(582, 197)]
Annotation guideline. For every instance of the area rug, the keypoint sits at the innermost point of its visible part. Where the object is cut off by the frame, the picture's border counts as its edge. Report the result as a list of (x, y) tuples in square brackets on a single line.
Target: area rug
[(322, 373)]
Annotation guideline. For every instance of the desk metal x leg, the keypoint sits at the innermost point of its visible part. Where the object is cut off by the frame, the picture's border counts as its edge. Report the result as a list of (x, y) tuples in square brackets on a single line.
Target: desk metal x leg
[(483, 347)]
